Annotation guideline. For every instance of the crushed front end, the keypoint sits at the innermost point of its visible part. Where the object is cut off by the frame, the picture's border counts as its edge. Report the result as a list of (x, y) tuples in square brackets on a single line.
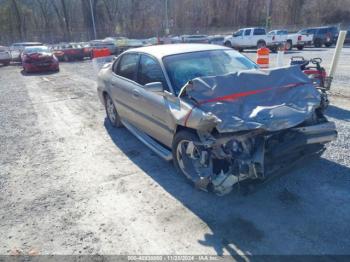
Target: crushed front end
[(251, 133)]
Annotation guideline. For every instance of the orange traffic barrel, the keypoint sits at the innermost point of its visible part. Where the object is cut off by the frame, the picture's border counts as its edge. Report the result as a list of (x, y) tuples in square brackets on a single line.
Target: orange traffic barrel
[(100, 52), (263, 59)]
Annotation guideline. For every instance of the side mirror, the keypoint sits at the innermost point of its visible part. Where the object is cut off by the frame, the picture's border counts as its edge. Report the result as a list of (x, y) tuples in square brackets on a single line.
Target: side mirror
[(156, 87)]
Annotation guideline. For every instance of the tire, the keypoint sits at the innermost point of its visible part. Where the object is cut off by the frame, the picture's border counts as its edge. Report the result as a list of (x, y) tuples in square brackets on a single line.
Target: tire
[(66, 58), (318, 43), (181, 137), (300, 47), (228, 44), (111, 112), (240, 50), (328, 45), (273, 49), (289, 45), (6, 63), (261, 44)]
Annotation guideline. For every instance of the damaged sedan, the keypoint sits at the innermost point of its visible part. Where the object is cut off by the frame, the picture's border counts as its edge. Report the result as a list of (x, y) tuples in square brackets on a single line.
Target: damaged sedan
[(211, 110)]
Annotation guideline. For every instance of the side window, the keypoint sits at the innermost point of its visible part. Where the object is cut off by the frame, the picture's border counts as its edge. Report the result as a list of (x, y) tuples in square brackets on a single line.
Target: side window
[(150, 71), (247, 32), (259, 31), (127, 66), (115, 66)]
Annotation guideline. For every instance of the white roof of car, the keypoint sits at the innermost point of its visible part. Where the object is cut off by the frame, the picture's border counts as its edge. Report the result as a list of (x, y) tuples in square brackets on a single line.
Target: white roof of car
[(161, 51)]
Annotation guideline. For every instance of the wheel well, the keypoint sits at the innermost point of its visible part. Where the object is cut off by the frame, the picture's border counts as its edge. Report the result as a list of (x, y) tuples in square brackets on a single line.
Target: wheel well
[(180, 128), (290, 40), (261, 41), (104, 94)]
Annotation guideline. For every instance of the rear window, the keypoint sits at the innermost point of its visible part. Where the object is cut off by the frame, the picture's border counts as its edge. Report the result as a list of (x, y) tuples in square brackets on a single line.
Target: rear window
[(259, 31), (322, 31), (36, 49), (127, 66)]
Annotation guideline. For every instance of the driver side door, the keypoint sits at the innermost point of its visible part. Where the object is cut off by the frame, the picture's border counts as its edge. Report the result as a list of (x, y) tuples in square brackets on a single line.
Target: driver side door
[(152, 105)]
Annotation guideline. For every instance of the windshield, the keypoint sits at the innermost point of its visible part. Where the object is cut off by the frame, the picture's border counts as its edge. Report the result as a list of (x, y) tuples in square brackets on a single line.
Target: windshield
[(37, 49), (185, 67)]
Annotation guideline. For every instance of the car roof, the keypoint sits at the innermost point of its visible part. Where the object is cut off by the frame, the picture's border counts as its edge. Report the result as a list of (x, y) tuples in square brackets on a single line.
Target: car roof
[(28, 43), (35, 46), (161, 51)]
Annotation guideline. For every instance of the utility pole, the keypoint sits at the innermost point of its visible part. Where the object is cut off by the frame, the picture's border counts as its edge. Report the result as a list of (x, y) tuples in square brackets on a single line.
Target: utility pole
[(93, 19), (268, 15), (167, 31)]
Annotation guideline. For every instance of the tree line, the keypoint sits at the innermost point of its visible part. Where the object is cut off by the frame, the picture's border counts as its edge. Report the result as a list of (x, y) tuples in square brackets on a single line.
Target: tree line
[(71, 20)]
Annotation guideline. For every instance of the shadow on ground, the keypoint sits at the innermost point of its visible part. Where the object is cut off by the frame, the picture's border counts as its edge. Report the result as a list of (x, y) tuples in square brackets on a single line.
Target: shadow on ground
[(289, 216), (43, 73), (338, 113)]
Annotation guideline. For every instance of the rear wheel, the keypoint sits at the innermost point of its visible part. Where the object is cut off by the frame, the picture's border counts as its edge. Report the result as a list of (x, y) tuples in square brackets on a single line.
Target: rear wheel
[(261, 44), (300, 47), (289, 45), (328, 44), (318, 43), (111, 112)]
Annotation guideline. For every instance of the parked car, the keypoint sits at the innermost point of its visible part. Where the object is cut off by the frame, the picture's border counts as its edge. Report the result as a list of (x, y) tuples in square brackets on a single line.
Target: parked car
[(39, 59), (216, 39), (68, 51), (292, 40), (347, 38), (247, 38), (326, 35), (17, 49), (87, 49), (214, 113), (195, 39), (99, 44), (5, 56)]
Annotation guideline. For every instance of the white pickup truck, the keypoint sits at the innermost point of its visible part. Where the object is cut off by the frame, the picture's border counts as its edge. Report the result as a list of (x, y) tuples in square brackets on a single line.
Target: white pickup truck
[(293, 40), (254, 37)]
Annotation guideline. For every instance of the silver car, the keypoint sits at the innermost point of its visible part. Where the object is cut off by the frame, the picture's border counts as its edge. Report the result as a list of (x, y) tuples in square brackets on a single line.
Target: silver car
[(211, 110)]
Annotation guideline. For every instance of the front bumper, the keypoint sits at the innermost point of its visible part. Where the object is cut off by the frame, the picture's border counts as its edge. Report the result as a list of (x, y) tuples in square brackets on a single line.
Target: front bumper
[(38, 67), (277, 153)]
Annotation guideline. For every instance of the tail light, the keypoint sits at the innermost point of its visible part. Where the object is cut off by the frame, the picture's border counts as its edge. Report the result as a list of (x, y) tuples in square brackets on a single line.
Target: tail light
[(300, 38)]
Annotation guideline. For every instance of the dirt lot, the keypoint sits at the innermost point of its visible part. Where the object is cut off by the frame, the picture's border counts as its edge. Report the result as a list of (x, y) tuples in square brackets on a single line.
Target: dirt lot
[(71, 184)]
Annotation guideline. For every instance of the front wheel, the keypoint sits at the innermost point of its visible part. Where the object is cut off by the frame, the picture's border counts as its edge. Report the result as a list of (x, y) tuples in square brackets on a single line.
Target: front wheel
[(189, 159), (111, 112), (228, 44)]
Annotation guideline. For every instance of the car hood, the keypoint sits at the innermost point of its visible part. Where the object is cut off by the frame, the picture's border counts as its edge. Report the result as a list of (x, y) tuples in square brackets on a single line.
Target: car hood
[(271, 100)]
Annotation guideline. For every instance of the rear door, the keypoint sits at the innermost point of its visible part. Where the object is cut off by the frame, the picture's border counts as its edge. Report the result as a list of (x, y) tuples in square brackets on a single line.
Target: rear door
[(151, 106), (123, 87), (258, 34)]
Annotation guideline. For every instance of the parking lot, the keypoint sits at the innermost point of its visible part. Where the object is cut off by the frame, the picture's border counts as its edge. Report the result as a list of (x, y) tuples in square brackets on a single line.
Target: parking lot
[(71, 184)]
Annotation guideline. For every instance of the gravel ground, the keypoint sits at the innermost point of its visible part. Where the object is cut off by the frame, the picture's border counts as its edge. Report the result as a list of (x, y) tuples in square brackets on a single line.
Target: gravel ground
[(71, 184)]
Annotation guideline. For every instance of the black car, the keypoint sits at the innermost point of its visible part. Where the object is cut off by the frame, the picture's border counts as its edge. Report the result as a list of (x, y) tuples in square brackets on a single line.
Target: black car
[(326, 35)]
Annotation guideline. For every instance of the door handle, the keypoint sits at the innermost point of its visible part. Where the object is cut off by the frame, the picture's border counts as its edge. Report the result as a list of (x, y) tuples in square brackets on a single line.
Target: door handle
[(136, 94)]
